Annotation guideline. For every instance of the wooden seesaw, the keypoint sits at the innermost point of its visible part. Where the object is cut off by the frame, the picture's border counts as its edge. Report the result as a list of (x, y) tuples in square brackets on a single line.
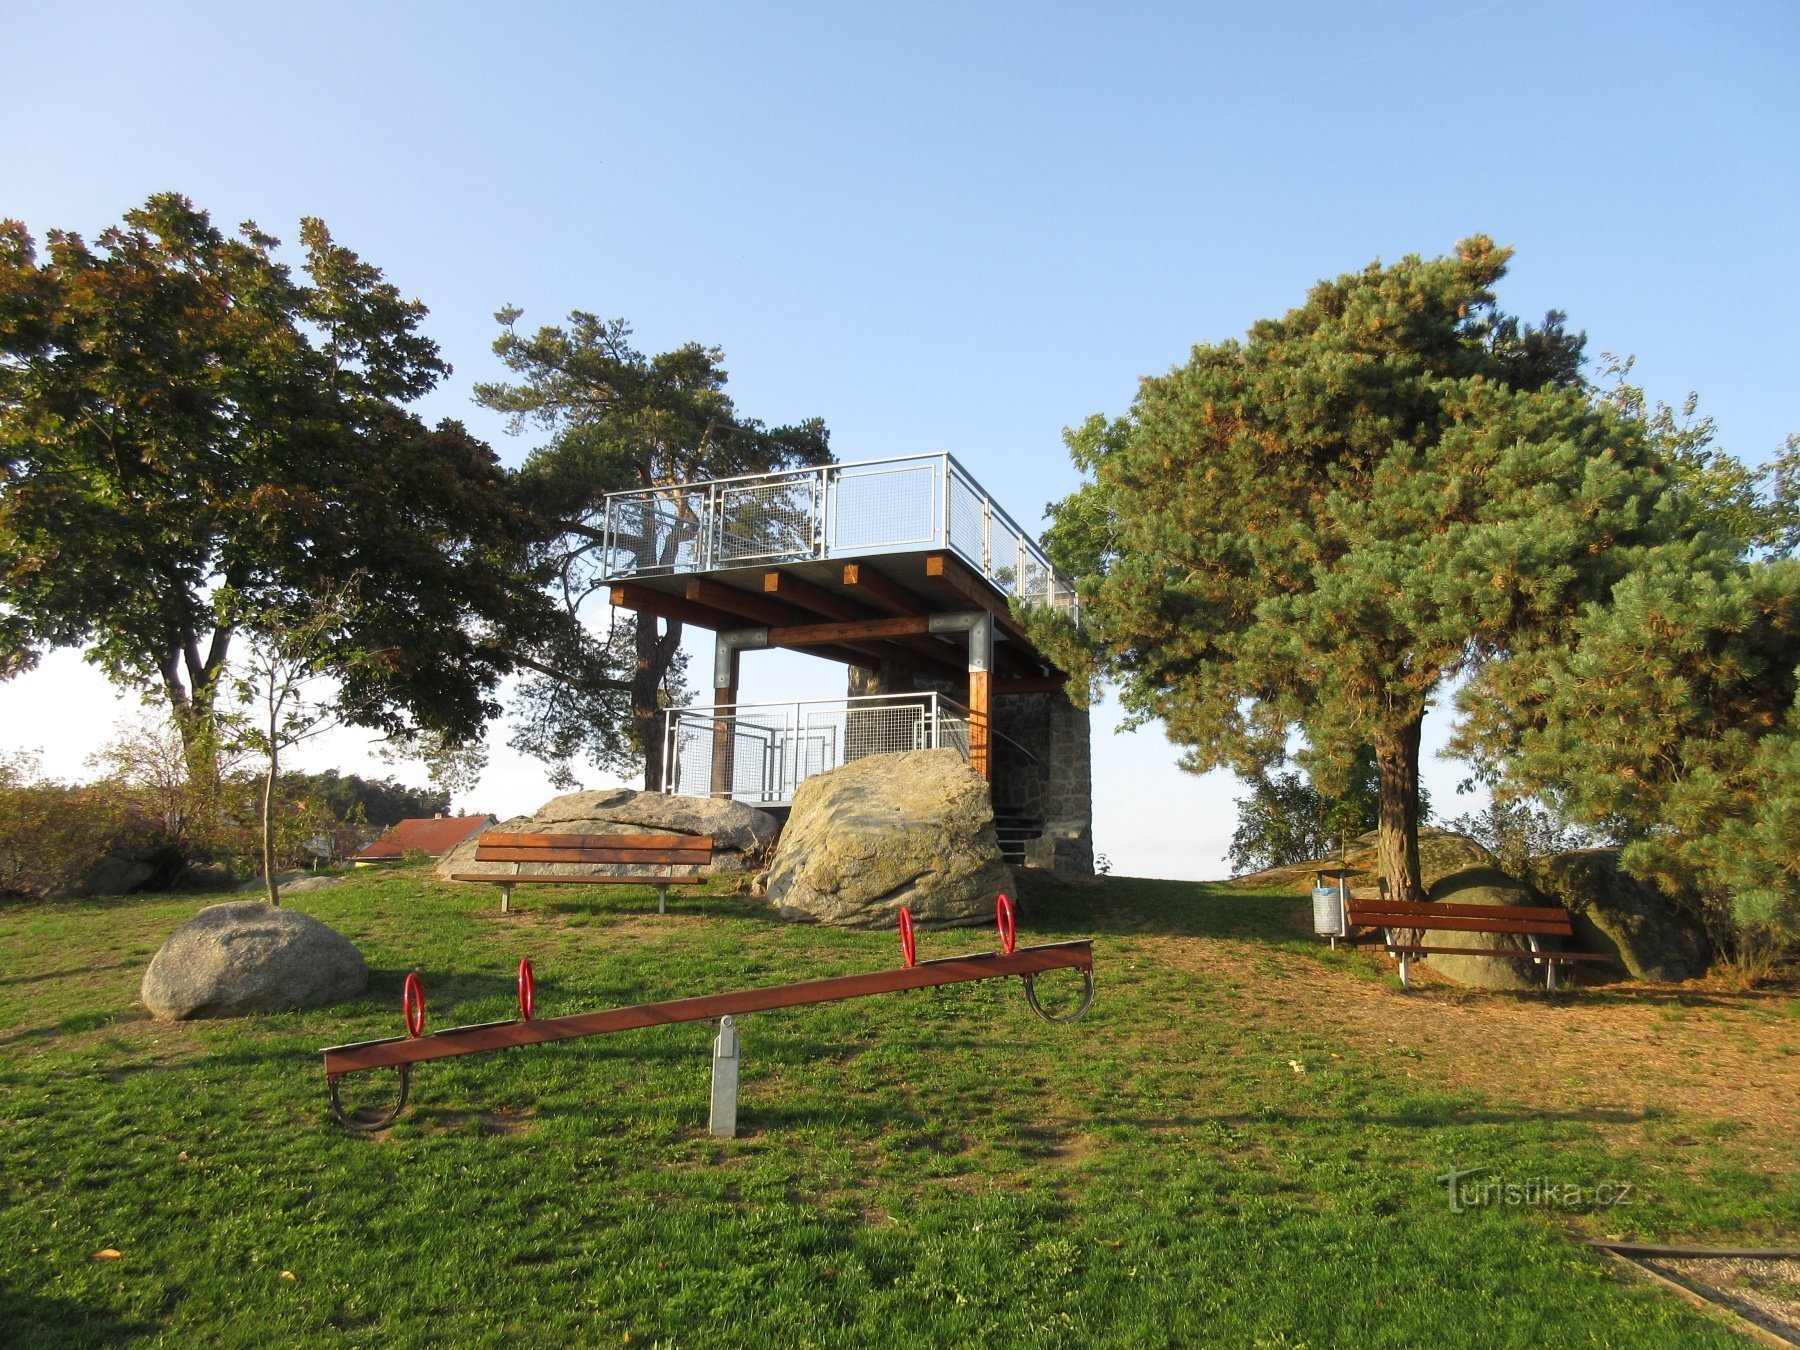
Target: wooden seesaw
[(400, 1053)]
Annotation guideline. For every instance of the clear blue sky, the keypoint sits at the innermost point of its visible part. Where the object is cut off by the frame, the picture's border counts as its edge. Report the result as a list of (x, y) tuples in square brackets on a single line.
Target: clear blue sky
[(952, 227)]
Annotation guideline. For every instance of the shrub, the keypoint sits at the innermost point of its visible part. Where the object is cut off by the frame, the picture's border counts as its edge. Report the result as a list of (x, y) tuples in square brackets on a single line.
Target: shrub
[(52, 834)]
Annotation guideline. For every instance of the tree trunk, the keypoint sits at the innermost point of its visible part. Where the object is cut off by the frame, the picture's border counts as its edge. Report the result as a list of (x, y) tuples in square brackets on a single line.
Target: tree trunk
[(655, 654), (1397, 819), (268, 828)]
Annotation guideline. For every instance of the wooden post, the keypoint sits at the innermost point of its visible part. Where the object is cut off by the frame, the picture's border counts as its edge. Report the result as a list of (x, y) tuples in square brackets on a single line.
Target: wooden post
[(725, 693), (981, 701), (980, 686)]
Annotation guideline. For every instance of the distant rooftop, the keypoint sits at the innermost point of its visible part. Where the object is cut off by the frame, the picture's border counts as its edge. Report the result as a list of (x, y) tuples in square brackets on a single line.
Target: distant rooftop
[(432, 836)]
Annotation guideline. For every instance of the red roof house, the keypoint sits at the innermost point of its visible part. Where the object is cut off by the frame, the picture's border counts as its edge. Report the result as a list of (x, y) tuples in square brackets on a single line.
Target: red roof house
[(433, 837)]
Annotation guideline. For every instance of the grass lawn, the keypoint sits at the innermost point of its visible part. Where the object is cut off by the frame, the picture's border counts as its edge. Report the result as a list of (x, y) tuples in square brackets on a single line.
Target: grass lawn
[(1241, 1144)]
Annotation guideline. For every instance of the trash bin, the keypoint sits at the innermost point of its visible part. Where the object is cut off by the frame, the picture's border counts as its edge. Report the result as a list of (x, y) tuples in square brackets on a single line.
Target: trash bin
[(1328, 911)]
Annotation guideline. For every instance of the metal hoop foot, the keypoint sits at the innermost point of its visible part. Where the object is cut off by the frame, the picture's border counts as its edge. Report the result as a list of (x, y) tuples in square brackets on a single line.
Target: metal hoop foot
[(1087, 999), (367, 1119)]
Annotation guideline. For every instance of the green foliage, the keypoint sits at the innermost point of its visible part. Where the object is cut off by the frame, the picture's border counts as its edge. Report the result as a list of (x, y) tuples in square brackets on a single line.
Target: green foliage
[(1741, 509), (1672, 710), (1521, 832), (53, 834), (193, 440), (1286, 819), (616, 420), (1315, 528), (353, 800)]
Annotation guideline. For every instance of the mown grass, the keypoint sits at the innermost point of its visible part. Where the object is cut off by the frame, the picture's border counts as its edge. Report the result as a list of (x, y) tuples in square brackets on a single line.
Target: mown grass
[(1183, 1167)]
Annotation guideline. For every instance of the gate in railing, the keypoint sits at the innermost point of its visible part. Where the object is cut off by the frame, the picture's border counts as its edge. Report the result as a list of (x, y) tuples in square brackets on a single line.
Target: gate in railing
[(761, 752)]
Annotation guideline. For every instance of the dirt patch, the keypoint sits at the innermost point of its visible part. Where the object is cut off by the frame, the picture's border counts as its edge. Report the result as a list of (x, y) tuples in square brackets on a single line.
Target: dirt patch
[(1632, 1051)]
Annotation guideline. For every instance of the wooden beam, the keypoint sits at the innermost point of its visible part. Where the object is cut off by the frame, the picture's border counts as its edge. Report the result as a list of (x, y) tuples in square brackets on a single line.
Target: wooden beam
[(724, 745), (928, 654), (665, 606), (954, 575), (808, 635), (882, 591), (798, 591), (755, 607), (1019, 656)]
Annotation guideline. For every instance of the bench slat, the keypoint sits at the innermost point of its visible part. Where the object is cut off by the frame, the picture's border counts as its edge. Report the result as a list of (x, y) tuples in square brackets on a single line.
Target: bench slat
[(690, 843), (1489, 951), (1451, 924), (1409, 908), (668, 857), (503, 880)]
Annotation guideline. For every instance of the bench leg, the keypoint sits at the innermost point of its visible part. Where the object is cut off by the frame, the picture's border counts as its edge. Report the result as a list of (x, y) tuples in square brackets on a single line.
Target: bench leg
[(662, 899), (1549, 965), (1387, 935), (506, 899)]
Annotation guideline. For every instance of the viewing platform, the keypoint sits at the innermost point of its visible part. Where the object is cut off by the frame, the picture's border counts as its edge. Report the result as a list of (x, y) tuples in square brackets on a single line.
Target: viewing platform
[(873, 549), (907, 572)]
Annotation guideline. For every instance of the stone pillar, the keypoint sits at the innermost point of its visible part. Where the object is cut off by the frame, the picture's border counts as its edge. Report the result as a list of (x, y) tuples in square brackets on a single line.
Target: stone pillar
[(1055, 786)]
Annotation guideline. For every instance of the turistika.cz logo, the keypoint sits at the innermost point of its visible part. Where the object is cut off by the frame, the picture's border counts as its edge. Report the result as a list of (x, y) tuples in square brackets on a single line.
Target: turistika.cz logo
[(1474, 1188)]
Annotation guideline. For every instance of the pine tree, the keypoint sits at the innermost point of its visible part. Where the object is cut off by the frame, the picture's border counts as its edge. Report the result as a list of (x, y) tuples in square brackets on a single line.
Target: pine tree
[(1314, 529)]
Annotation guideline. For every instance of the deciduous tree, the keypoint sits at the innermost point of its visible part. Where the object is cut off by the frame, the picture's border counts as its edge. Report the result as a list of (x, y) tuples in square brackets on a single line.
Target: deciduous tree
[(191, 436)]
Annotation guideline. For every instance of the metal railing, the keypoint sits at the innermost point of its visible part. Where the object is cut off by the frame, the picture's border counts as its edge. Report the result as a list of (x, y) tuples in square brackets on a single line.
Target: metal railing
[(761, 752), (832, 511)]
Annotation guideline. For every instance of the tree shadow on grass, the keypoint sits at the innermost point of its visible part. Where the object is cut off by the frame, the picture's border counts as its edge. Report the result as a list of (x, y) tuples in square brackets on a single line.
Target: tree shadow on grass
[(1134, 905), (40, 976), (1429, 1116), (32, 1319)]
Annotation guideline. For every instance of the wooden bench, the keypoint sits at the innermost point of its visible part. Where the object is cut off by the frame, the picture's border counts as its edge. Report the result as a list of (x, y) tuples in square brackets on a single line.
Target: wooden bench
[(1531, 921), (667, 851)]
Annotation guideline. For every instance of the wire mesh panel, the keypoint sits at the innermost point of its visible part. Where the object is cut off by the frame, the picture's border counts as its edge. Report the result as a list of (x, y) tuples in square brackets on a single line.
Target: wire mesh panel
[(652, 533), (770, 749), (885, 506), (768, 519), (969, 513)]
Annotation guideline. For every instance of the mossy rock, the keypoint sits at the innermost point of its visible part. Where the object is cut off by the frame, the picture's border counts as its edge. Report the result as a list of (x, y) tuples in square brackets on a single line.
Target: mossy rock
[(1649, 934), (1483, 885)]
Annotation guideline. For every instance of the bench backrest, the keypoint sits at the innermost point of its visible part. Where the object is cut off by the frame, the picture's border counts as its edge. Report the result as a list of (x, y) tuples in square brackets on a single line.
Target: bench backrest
[(1549, 920), (631, 849)]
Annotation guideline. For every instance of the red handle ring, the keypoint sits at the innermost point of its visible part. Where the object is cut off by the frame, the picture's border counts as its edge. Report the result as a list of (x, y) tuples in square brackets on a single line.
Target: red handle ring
[(527, 989), (412, 1000), (907, 949), (1006, 923)]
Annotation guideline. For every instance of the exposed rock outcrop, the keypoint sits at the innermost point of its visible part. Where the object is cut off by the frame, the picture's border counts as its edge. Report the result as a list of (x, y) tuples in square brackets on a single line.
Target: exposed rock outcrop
[(1647, 933), (247, 956), (1483, 885), (914, 828)]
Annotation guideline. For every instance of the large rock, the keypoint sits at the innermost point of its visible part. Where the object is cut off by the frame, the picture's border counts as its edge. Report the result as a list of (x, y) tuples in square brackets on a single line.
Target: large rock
[(1442, 853), (1483, 885), (247, 956), (1646, 932), (914, 828), (742, 836)]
